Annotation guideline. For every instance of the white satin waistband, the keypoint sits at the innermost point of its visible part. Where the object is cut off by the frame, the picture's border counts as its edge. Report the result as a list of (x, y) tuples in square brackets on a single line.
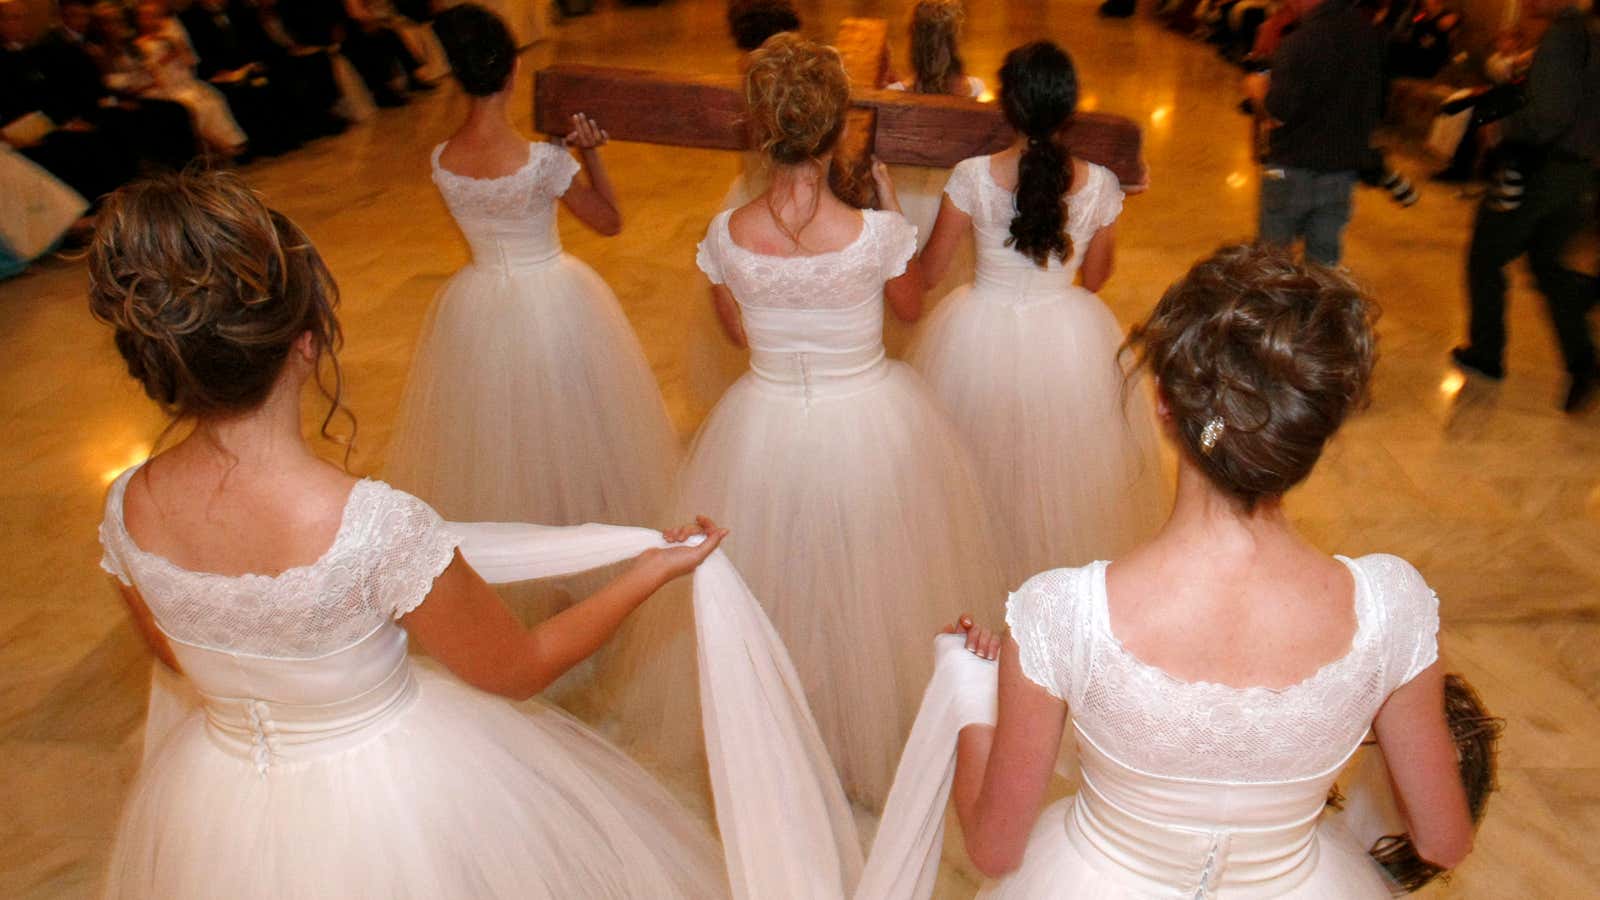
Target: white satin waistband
[(267, 732), (1158, 857), (513, 255), (1021, 287), (819, 375)]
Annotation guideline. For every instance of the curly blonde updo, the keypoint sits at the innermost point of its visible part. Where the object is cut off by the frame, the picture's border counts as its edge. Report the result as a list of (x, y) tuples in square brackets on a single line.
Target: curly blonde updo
[(796, 96), (1271, 353), (207, 291)]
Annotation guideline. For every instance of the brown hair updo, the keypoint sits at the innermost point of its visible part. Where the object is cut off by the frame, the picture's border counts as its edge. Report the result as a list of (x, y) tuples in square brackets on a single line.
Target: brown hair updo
[(935, 56), (1272, 354), (796, 94), (207, 290)]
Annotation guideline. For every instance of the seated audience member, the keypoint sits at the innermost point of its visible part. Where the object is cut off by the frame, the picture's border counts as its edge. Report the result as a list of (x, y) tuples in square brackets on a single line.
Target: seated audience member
[(228, 49), (156, 132), (36, 120), (162, 47)]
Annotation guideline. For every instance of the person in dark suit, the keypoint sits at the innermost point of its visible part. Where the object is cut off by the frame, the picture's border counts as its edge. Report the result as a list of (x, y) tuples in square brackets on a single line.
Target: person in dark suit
[(228, 44)]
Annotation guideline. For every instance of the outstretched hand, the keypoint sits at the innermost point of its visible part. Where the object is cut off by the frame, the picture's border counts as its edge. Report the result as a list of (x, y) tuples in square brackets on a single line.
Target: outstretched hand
[(668, 563), (884, 182), (585, 134), (981, 642)]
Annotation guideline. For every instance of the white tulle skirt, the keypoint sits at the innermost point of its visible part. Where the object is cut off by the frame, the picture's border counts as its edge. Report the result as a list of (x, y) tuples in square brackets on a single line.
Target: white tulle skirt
[(463, 795), (858, 523), (530, 400), (1068, 454), (1055, 866)]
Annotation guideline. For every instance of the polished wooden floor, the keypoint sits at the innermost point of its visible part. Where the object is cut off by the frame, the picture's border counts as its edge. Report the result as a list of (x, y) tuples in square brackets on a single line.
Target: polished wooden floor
[(1488, 489)]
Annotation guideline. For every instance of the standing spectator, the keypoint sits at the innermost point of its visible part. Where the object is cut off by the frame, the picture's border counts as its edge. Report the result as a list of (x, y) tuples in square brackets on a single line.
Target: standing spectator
[(1558, 132), (1323, 95)]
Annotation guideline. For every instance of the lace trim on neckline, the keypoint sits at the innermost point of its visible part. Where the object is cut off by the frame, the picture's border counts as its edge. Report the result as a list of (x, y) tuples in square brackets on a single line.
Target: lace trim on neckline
[(346, 521), (439, 169), (860, 238), (1358, 640)]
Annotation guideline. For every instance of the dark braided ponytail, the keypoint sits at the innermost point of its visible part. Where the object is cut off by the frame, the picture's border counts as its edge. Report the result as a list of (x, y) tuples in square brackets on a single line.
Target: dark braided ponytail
[(1039, 94)]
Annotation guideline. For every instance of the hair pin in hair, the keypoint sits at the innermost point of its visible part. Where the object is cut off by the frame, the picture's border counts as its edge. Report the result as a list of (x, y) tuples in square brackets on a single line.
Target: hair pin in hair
[(1210, 434)]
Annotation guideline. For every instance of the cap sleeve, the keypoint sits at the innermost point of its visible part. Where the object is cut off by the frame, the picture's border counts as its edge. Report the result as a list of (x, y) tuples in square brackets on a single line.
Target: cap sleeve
[(897, 242), (1410, 612), (708, 255), (112, 543), (1036, 614), (558, 169), (963, 187), (417, 545), (1108, 197)]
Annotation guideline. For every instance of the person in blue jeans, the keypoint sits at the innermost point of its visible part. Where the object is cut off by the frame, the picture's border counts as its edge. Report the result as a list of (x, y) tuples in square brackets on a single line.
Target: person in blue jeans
[(1322, 95)]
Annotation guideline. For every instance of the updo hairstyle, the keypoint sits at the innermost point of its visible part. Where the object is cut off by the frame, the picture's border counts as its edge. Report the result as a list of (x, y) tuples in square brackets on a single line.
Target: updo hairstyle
[(751, 22), (207, 291), (796, 95), (478, 46), (1039, 94), (935, 54), (1260, 359)]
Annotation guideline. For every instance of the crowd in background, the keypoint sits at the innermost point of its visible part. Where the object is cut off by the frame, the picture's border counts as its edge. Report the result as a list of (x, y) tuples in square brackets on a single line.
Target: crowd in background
[(111, 89)]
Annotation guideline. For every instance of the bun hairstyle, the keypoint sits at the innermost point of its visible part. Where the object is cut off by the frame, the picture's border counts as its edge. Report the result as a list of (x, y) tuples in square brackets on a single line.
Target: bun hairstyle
[(207, 291), (796, 95), (1039, 94), (1260, 359), (751, 22), (935, 29), (479, 47)]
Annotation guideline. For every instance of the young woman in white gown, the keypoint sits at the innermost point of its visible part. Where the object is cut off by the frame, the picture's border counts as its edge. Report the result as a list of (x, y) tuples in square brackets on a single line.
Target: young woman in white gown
[(327, 764), (530, 398), (1217, 678), (1026, 362), (859, 516)]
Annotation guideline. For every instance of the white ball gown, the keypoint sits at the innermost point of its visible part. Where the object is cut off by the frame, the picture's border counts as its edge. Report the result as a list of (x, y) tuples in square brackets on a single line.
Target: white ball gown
[(327, 764), (1193, 789), (1027, 365), (530, 398), (855, 514)]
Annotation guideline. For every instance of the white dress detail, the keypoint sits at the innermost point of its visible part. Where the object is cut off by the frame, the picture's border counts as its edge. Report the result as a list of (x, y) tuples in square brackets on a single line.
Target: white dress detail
[(1193, 789), (855, 514), (529, 398), (1026, 363), (327, 764)]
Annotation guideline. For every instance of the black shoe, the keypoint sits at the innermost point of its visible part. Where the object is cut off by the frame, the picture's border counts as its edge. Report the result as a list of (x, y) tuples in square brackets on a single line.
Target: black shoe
[(1451, 176), (389, 99), (1466, 359), (417, 85), (1581, 392)]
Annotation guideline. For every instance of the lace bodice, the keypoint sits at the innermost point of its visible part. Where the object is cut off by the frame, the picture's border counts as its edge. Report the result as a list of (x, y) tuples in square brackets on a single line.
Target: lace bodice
[(1150, 721), (510, 220), (389, 548), (841, 279), (1090, 207)]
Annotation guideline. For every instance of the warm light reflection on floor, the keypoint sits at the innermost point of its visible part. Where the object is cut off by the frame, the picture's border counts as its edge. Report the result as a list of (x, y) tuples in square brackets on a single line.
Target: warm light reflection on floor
[(1452, 383), (136, 454), (1237, 180)]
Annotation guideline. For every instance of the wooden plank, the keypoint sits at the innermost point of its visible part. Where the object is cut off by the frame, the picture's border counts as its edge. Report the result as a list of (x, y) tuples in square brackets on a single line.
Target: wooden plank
[(707, 111), (640, 105)]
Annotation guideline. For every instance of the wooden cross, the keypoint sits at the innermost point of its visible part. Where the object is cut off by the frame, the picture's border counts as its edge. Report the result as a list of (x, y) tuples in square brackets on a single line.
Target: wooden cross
[(900, 128)]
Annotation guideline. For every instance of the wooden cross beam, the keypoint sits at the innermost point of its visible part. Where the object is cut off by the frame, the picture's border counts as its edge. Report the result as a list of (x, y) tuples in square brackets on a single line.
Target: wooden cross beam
[(707, 111)]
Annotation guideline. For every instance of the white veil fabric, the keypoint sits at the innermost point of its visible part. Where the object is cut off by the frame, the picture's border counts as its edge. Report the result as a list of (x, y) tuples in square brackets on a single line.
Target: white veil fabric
[(787, 830)]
